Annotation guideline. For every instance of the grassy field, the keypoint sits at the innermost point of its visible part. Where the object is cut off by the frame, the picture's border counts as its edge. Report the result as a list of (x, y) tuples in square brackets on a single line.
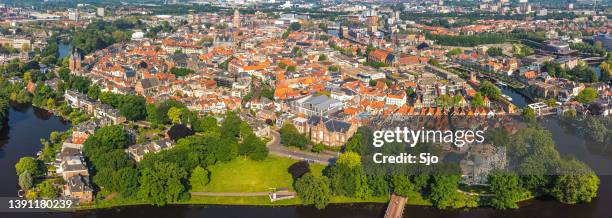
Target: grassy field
[(245, 175)]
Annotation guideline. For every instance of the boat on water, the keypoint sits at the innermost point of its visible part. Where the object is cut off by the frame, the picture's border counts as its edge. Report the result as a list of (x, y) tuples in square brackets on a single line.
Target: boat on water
[(500, 83), (507, 97)]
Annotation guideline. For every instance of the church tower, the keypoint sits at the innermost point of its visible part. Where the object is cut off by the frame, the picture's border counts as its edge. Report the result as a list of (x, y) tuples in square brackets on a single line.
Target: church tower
[(236, 20), (74, 62)]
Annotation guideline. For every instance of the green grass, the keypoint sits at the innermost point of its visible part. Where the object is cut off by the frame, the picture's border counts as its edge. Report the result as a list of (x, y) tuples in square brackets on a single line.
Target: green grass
[(245, 175), (260, 201)]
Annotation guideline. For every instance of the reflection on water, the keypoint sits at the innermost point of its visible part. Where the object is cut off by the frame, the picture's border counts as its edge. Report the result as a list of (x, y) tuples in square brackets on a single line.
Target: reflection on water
[(26, 126)]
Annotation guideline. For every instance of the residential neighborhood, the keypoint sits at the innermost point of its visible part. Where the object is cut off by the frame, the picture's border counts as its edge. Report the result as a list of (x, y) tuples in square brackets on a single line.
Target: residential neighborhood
[(279, 103)]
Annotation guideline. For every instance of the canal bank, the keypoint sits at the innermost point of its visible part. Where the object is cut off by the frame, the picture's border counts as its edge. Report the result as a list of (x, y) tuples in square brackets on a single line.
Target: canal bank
[(28, 124)]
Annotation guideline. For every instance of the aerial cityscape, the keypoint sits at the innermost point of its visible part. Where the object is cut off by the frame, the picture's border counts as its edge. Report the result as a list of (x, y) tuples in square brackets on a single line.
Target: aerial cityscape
[(306, 108)]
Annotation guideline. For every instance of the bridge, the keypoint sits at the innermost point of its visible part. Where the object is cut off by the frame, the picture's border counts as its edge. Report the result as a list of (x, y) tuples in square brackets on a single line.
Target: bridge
[(396, 206)]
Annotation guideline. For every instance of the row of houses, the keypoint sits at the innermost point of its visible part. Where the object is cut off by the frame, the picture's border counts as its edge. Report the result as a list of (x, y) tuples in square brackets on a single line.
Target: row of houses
[(70, 164), (103, 112)]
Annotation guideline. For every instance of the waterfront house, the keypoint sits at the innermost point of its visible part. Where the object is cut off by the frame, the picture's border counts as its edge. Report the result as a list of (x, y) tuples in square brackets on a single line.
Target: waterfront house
[(79, 187)]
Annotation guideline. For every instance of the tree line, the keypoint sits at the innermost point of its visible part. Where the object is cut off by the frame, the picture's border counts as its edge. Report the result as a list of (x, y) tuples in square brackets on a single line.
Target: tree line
[(166, 177), (568, 180)]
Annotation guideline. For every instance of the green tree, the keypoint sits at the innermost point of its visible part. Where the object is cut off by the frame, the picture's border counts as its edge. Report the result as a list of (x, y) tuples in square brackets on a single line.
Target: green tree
[(314, 190), (291, 137), (199, 178), (322, 57), (349, 159), (133, 107), (347, 177), (506, 190), (488, 89), (596, 129), (94, 91), (453, 52), (48, 190), (529, 115), (318, 148), (551, 102), (34, 167), (295, 26), (333, 68), (401, 185), (291, 68), (586, 96), (126, 181), (494, 52), (444, 190), (576, 184), (478, 100), (175, 114), (25, 180), (178, 71), (162, 183)]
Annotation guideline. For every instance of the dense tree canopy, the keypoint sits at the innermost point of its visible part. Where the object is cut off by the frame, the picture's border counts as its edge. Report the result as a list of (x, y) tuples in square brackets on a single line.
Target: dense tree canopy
[(577, 183), (506, 190), (314, 190), (132, 107), (586, 96), (28, 164), (291, 137), (488, 89), (162, 183), (199, 178), (444, 190)]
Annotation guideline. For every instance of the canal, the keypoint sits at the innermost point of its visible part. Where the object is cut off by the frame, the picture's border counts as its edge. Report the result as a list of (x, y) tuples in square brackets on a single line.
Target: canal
[(21, 138), (27, 125), (517, 98)]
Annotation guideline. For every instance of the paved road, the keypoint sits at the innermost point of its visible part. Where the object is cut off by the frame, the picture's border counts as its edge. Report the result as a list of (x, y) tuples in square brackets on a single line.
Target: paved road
[(277, 148)]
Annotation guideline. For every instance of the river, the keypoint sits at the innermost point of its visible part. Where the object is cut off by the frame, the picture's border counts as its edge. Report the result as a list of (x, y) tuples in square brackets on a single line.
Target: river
[(28, 124), (64, 49)]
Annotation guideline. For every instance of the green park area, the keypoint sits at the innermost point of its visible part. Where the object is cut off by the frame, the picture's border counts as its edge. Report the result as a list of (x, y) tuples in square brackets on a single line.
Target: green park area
[(246, 175)]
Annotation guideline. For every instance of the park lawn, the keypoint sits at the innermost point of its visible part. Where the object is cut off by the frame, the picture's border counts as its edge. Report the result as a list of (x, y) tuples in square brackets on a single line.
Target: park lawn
[(245, 175)]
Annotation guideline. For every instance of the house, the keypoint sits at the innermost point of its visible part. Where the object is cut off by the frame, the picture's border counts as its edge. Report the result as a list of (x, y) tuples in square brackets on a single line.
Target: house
[(105, 113), (79, 187), (72, 166), (328, 131), (138, 151), (398, 98), (316, 105), (266, 115), (81, 132), (147, 86)]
